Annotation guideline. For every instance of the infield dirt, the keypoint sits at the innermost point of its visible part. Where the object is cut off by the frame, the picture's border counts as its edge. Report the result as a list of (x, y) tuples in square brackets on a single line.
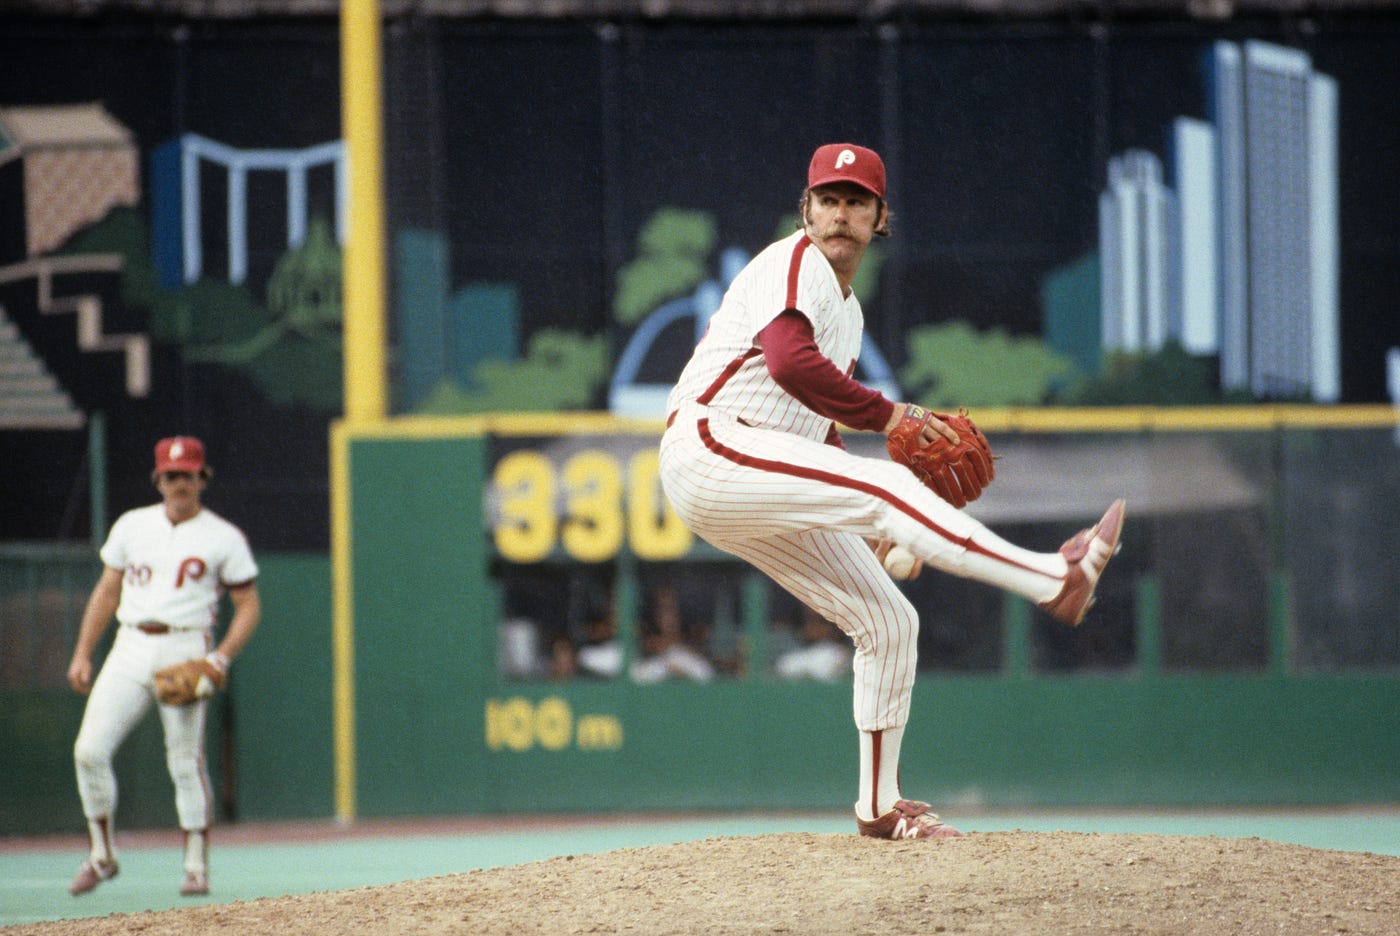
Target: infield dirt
[(798, 883)]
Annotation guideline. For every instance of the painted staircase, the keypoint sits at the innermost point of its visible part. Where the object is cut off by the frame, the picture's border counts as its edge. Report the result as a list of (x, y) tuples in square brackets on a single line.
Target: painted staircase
[(30, 397)]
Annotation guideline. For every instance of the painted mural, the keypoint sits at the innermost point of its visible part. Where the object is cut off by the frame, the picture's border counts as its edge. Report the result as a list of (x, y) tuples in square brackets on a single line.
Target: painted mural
[(1188, 217)]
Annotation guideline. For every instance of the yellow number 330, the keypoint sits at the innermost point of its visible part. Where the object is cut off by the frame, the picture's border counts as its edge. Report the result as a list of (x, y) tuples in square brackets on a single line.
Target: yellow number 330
[(590, 510)]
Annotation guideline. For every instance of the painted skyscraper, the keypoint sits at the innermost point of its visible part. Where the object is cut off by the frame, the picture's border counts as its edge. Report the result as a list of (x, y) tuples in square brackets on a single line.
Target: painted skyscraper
[(1239, 256), (1277, 122), (1194, 303), (1136, 220)]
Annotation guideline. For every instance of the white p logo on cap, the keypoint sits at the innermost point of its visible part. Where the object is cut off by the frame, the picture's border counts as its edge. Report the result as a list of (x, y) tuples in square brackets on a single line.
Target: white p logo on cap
[(847, 162)]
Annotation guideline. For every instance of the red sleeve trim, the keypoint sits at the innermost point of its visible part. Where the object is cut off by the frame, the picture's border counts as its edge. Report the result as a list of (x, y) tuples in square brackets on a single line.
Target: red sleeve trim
[(795, 267), (798, 366)]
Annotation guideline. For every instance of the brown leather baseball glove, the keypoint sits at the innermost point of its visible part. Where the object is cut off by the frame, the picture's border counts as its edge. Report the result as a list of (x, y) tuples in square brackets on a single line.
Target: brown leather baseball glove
[(957, 473), (189, 681)]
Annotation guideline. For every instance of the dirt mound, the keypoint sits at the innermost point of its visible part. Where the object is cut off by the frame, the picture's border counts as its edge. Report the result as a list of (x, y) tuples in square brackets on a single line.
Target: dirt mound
[(796, 883)]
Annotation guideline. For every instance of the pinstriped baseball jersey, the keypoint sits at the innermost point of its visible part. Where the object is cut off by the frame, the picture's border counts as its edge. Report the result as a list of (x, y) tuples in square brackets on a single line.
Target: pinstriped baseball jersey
[(747, 467), (728, 372)]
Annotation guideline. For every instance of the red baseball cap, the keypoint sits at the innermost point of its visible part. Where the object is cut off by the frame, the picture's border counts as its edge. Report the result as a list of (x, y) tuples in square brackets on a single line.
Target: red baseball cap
[(847, 162), (180, 453)]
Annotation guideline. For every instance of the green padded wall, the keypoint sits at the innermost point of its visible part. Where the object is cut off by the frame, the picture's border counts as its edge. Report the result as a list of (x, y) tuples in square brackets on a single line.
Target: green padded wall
[(437, 732), (421, 606)]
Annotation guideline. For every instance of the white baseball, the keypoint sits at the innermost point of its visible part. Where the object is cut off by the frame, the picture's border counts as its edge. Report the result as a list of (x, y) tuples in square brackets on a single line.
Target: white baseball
[(899, 562)]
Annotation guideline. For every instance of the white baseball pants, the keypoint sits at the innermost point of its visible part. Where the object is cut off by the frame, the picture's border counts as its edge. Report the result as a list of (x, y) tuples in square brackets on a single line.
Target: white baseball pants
[(801, 512), (121, 695)]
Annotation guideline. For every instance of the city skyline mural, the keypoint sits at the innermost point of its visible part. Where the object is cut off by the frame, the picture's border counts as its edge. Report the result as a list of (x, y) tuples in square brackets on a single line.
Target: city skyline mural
[(1228, 244), (170, 248)]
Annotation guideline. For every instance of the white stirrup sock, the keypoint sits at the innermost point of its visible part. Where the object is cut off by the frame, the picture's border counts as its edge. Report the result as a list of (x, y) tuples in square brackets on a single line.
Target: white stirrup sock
[(196, 850), (1034, 575), (879, 772)]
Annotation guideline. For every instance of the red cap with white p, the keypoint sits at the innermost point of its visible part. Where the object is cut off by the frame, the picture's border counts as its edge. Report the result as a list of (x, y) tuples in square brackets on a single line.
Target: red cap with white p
[(180, 453), (847, 162)]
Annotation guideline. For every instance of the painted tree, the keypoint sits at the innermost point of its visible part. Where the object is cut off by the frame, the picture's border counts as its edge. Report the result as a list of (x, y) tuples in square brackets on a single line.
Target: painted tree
[(673, 250), (560, 371), (953, 364)]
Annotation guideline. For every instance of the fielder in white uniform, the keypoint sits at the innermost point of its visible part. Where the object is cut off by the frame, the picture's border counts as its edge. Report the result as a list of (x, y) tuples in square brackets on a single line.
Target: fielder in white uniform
[(752, 462), (166, 567)]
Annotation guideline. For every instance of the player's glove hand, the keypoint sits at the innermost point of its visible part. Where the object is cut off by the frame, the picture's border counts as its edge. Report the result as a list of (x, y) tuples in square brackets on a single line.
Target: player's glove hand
[(191, 680), (956, 472)]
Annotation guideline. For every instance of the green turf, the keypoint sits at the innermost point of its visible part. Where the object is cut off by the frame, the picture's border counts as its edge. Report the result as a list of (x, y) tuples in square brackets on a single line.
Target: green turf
[(33, 884)]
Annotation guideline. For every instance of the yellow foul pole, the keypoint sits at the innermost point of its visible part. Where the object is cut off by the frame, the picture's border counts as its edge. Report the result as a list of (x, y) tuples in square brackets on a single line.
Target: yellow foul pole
[(363, 302), (363, 279)]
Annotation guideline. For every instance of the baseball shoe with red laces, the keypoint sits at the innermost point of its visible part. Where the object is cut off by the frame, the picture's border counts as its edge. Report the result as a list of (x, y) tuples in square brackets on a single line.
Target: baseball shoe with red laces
[(92, 873), (196, 884), (1087, 552), (908, 820)]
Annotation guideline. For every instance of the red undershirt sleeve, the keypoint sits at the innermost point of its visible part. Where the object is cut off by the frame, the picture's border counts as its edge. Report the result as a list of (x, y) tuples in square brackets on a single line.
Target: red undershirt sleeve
[(795, 363)]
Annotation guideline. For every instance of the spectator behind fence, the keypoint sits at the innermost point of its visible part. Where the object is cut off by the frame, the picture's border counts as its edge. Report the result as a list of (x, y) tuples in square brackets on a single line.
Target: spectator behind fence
[(824, 652), (599, 654), (666, 652)]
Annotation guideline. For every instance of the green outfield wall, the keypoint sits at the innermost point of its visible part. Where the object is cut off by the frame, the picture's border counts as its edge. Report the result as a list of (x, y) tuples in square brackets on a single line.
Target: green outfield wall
[(1242, 652), (439, 730)]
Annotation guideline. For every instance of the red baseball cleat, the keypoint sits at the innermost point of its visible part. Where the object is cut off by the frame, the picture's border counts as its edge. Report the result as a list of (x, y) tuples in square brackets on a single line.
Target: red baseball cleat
[(1087, 553), (908, 820), (92, 873), (196, 884)]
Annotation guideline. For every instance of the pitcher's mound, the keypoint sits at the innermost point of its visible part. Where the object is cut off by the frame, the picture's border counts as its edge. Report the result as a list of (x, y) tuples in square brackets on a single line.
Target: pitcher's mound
[(796, 883)]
